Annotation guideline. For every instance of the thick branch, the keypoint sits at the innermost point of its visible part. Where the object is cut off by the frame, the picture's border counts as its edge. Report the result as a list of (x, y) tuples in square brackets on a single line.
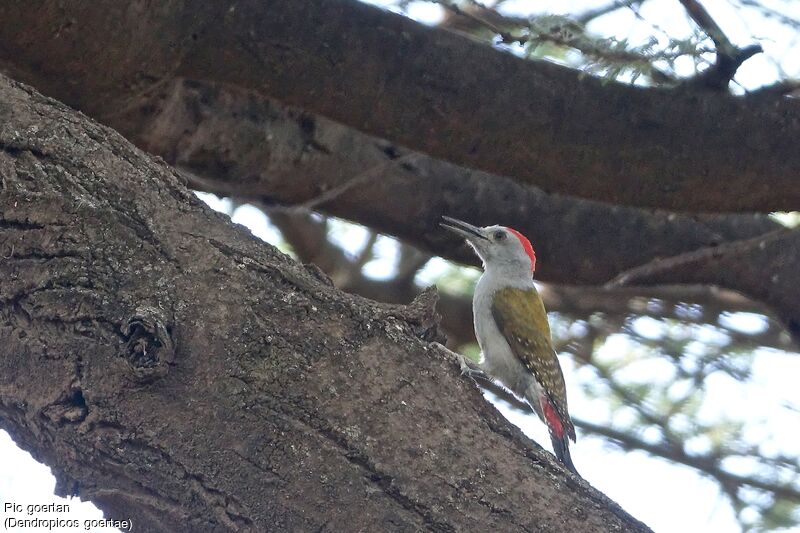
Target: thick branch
[(238, 144), (703, 19), (308, 240), (167, 365), (764, 268), (614, 305), (424, 88)]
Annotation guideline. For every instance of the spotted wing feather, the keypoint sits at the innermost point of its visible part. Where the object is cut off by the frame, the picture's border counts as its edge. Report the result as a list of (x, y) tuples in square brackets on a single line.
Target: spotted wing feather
[(530, 341)]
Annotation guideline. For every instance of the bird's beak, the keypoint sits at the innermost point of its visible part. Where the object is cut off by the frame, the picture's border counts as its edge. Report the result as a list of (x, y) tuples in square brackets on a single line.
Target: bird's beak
[(468, 231)]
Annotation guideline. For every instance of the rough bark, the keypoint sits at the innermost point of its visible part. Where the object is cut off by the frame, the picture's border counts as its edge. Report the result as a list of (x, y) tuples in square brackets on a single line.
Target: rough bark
[(175, 371), (425, 88)]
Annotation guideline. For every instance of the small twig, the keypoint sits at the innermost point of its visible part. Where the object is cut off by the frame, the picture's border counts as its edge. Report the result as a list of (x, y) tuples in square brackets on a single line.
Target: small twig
[(480, 21), (655, 271), (591, 14), (705, 464), (482, 14), (638, 14), (702, 18), (772, 13), (637, 405), (729, 56), (585, 46)]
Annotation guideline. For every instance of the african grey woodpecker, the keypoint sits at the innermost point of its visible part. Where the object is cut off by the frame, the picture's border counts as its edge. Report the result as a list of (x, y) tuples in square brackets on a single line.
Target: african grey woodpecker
[(512, 328)]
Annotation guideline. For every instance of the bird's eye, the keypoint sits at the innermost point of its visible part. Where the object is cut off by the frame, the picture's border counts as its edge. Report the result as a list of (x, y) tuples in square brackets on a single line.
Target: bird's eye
[(499, 235)]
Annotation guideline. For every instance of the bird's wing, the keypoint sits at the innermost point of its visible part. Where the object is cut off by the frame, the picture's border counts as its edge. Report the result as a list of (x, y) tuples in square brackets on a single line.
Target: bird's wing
[(530, 341)]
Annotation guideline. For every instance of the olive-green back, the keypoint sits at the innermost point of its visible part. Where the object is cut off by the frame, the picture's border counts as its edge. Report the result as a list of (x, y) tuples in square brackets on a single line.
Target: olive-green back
[(522, 319)]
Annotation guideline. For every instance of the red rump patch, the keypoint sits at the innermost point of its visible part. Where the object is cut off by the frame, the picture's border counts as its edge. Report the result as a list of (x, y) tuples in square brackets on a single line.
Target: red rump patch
[(553, 421), (526, 244)]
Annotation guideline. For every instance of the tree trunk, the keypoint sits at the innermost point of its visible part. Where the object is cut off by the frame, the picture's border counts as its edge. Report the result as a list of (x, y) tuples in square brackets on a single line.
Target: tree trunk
[(178, 372)]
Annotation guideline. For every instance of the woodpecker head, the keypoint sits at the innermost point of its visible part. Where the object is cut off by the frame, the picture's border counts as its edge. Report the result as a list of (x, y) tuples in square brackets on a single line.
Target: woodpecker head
[(497, 246)]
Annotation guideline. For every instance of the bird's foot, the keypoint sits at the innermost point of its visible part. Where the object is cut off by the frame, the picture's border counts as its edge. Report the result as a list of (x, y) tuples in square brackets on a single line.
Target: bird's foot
[(468, 367)]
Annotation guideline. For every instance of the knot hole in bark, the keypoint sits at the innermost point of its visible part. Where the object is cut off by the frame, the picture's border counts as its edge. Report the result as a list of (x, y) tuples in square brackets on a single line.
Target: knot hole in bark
[(71, 408), (150, 348)]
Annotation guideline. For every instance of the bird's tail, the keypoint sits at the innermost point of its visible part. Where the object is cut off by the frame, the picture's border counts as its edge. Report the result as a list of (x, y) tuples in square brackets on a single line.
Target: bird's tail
[(560, 433), (561, 449)]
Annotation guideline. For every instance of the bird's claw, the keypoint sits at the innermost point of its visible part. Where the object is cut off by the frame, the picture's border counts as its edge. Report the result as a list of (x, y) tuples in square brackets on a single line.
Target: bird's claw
[(467, 367), (466, 370)]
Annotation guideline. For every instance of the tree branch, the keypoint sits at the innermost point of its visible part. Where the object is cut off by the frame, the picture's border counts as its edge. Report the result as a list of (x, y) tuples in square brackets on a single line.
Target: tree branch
[(428, 89), (567, 34), (615, 305), (729, 56), (763, 268), (237, 144), (704, 20), (591, 14)]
